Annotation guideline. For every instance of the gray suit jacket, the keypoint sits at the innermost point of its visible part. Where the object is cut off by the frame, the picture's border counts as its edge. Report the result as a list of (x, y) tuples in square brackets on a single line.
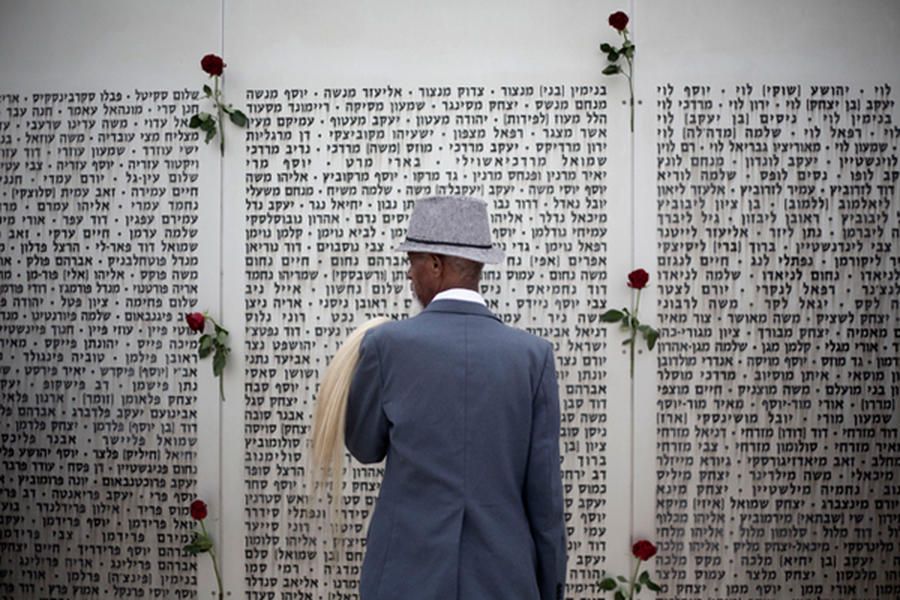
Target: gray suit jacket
[(466, 409)]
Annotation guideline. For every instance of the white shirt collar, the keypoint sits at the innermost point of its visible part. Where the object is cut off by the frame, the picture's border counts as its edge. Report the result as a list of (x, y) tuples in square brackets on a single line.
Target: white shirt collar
[(460, 294)]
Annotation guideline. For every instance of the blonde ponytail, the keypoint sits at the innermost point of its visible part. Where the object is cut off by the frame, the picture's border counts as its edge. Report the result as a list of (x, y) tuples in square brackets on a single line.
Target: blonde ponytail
[(331, 406)]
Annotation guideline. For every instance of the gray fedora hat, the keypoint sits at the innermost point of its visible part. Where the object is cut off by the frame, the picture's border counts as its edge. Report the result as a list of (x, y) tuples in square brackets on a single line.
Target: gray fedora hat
[(452, 226)]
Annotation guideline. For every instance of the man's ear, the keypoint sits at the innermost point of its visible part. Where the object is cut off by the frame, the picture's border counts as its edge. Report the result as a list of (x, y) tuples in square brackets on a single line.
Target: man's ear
[(436, 264)]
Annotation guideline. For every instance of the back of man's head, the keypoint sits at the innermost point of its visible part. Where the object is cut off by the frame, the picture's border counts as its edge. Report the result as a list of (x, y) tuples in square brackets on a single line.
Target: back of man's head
[(468, 271)]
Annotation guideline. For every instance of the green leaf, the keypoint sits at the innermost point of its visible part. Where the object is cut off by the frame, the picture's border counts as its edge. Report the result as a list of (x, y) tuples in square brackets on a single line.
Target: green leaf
[(652, 586), (628, 52), (611, 70), (637, 587), (626, 342), (207, 90), (604, 47), (203, 542), (204, 116), (634, 322), (608, 584), (612, 316), (210, 134), (620, 578), (644, 577), (219, 362), (220, 329), (221, 336), (619, 596), (239, 118), (200, 543), (651, 339), (206, 346), (195, 121), (612, 55), (196, 549)]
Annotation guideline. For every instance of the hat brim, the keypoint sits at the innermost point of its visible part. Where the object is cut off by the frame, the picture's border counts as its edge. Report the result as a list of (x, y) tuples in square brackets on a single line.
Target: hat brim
[(483, 255)]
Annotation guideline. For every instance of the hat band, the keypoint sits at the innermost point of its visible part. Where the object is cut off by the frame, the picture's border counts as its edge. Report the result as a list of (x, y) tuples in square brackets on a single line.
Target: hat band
[(418, 241)]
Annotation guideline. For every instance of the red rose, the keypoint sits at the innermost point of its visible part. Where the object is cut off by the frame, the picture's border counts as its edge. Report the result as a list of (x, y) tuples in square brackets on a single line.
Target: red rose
[(638, 279), (195, 321), (212, 64), (618, 21), (643, 550), (198, 510)]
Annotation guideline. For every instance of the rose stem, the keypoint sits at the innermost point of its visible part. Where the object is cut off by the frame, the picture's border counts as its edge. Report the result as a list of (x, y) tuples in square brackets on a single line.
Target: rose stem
[(221, 124), (631, 323), (212, 555), (633, 578)]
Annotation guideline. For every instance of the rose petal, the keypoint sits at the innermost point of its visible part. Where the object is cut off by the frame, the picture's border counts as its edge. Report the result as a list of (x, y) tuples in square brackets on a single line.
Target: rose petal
[(198, 510)]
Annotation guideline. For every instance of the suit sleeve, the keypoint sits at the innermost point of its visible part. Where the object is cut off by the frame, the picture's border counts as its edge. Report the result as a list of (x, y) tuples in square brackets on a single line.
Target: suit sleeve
[(543, 486), (365, 424)]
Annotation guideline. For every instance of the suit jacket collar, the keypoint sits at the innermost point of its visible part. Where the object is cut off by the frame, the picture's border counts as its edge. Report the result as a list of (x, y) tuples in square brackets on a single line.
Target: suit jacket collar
[(460, 307)]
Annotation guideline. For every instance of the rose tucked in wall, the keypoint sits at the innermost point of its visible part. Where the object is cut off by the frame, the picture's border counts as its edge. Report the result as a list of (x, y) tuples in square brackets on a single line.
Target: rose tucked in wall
[(637, 280), (211, 124), (642, 550), (619, 22), (211, 344), (202, 542), (212, 64)]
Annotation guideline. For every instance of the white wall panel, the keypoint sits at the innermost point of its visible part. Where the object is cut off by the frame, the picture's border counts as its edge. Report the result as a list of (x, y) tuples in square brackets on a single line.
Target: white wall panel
[(757, 444)]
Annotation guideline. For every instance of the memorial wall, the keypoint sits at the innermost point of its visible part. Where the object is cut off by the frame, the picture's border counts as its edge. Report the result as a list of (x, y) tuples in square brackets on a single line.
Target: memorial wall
[(758, 443)]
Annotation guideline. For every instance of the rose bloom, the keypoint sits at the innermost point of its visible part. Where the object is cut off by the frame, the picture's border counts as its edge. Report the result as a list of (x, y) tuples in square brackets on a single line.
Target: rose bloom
[(198, 510), (638, 279), (643, 550), (195, 321), (618, 20), (212, 64)]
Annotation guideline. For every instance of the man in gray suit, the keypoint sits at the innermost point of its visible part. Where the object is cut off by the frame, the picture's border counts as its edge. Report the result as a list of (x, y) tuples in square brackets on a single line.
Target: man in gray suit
[(466, 410)]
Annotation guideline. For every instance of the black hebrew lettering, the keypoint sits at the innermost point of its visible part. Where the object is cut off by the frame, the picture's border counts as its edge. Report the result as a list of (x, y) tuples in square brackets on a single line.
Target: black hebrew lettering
[(777, 430), (99, 262), (331, 178)]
